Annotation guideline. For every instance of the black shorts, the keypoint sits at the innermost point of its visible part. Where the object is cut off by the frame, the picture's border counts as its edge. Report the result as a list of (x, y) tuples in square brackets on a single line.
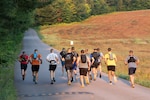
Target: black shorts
[(52, 67), (95, 65), (35, 68), (68, 67), (131, 71), (24, 66), (111, 68), (83, 71)]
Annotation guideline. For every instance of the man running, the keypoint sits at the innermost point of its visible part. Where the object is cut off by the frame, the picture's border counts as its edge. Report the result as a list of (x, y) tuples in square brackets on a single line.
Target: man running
[(23, 59), (35, 60), (62, 58), (101, 57), (69, 61), (110, 60), (95, 62), (84, 64), (52, 58), (89, 67), (132, 62), (75, 54)]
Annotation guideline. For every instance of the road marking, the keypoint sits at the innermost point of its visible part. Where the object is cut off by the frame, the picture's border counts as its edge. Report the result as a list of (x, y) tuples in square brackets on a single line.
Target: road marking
[(53, 94)]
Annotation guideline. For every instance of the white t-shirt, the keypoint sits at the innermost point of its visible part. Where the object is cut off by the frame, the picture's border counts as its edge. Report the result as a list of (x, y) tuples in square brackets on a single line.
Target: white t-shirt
[(52, 57)]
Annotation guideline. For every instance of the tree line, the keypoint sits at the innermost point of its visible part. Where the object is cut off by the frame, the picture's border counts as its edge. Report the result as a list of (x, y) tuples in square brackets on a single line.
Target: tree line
[(66, 11)]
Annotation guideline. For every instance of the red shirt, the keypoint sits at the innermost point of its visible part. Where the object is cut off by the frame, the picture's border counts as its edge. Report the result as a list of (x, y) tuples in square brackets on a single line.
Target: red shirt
[(23, 59)]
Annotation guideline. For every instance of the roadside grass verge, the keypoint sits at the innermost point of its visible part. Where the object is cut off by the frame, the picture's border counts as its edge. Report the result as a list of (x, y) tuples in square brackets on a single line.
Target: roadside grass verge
[(10, 48)]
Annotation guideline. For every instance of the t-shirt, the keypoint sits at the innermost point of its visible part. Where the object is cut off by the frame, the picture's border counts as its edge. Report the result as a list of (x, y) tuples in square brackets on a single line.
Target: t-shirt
[(110, 61), (69, 59), (36, 61), (23, 59), (96, 57), (63, 53), (84, 65), (52, 58), (132, 63)]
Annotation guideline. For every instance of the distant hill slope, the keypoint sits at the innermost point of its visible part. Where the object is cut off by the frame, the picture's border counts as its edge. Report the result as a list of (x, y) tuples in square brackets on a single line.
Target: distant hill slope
[(115, 25)]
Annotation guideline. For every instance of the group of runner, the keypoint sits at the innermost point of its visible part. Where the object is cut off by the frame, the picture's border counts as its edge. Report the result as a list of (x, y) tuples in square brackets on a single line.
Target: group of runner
[(35, 60), (89, 64)]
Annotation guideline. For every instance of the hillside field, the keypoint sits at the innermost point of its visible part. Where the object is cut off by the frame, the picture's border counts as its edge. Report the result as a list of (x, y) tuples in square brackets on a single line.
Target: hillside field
[(121, 31)]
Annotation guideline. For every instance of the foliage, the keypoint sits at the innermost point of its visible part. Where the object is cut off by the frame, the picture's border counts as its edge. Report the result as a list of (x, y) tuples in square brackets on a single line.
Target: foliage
[(16, 16), (66, 11)]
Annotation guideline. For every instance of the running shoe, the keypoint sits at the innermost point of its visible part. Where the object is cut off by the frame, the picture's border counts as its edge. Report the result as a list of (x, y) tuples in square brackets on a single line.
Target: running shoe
[(72, 79), (23, 77), (132, 85), (90, 77), (33, 78), (35, 82), (69, 82), (110, 82), (82, 86), (54, 80), (100, 76), (115, 79)]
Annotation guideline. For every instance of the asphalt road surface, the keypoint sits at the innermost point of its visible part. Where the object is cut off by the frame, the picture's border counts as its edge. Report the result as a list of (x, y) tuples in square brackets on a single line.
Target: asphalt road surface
[(97, 90)]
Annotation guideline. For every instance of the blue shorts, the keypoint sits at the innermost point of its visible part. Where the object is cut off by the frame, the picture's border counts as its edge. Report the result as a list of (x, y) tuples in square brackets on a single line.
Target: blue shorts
[(62, 63), (74, 67)]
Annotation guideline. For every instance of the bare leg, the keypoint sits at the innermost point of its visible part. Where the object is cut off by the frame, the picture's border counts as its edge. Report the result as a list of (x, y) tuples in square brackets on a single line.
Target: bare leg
[(94, 72), (132, 80), (69, 77), (82, 81), (114, 76), (110, 76)]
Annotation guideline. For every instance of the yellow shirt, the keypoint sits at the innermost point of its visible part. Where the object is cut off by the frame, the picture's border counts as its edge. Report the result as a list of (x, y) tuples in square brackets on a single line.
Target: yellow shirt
[(110, 62)]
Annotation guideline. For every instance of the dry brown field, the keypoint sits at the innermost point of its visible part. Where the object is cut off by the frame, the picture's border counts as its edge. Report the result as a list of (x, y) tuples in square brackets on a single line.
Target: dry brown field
[(121, 31)]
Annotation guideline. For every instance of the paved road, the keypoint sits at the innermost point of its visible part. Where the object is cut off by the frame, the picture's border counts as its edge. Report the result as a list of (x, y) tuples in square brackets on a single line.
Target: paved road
[(97, 90)]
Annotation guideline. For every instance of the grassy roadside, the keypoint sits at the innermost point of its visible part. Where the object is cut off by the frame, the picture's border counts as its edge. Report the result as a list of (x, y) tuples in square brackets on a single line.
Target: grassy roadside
[(10, 48)]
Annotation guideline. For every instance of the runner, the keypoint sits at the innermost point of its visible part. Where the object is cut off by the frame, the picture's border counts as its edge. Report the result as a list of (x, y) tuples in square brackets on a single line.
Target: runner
[(52, 58), (99, 69), (84, 64), (110, 60), (69, 61), (75, 54), (62, 57), (35, 60), (23, 59), (95, 62), (132, 62), (89, 70)]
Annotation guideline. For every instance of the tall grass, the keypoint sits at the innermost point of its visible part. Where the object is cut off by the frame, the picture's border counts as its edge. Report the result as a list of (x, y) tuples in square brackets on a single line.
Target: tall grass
[(8, 54)]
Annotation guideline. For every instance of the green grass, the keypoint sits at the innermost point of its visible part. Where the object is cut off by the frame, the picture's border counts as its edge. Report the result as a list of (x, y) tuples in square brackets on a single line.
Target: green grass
[(10, 47)]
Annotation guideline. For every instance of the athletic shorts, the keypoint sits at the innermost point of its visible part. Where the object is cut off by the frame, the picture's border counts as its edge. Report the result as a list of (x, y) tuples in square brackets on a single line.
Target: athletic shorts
[(35, 67), (68, 68), (52, 67), (83, 71), (131, 71), (94, 65), (111, 68), (74, 66), (62, 63), (24, 66)]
